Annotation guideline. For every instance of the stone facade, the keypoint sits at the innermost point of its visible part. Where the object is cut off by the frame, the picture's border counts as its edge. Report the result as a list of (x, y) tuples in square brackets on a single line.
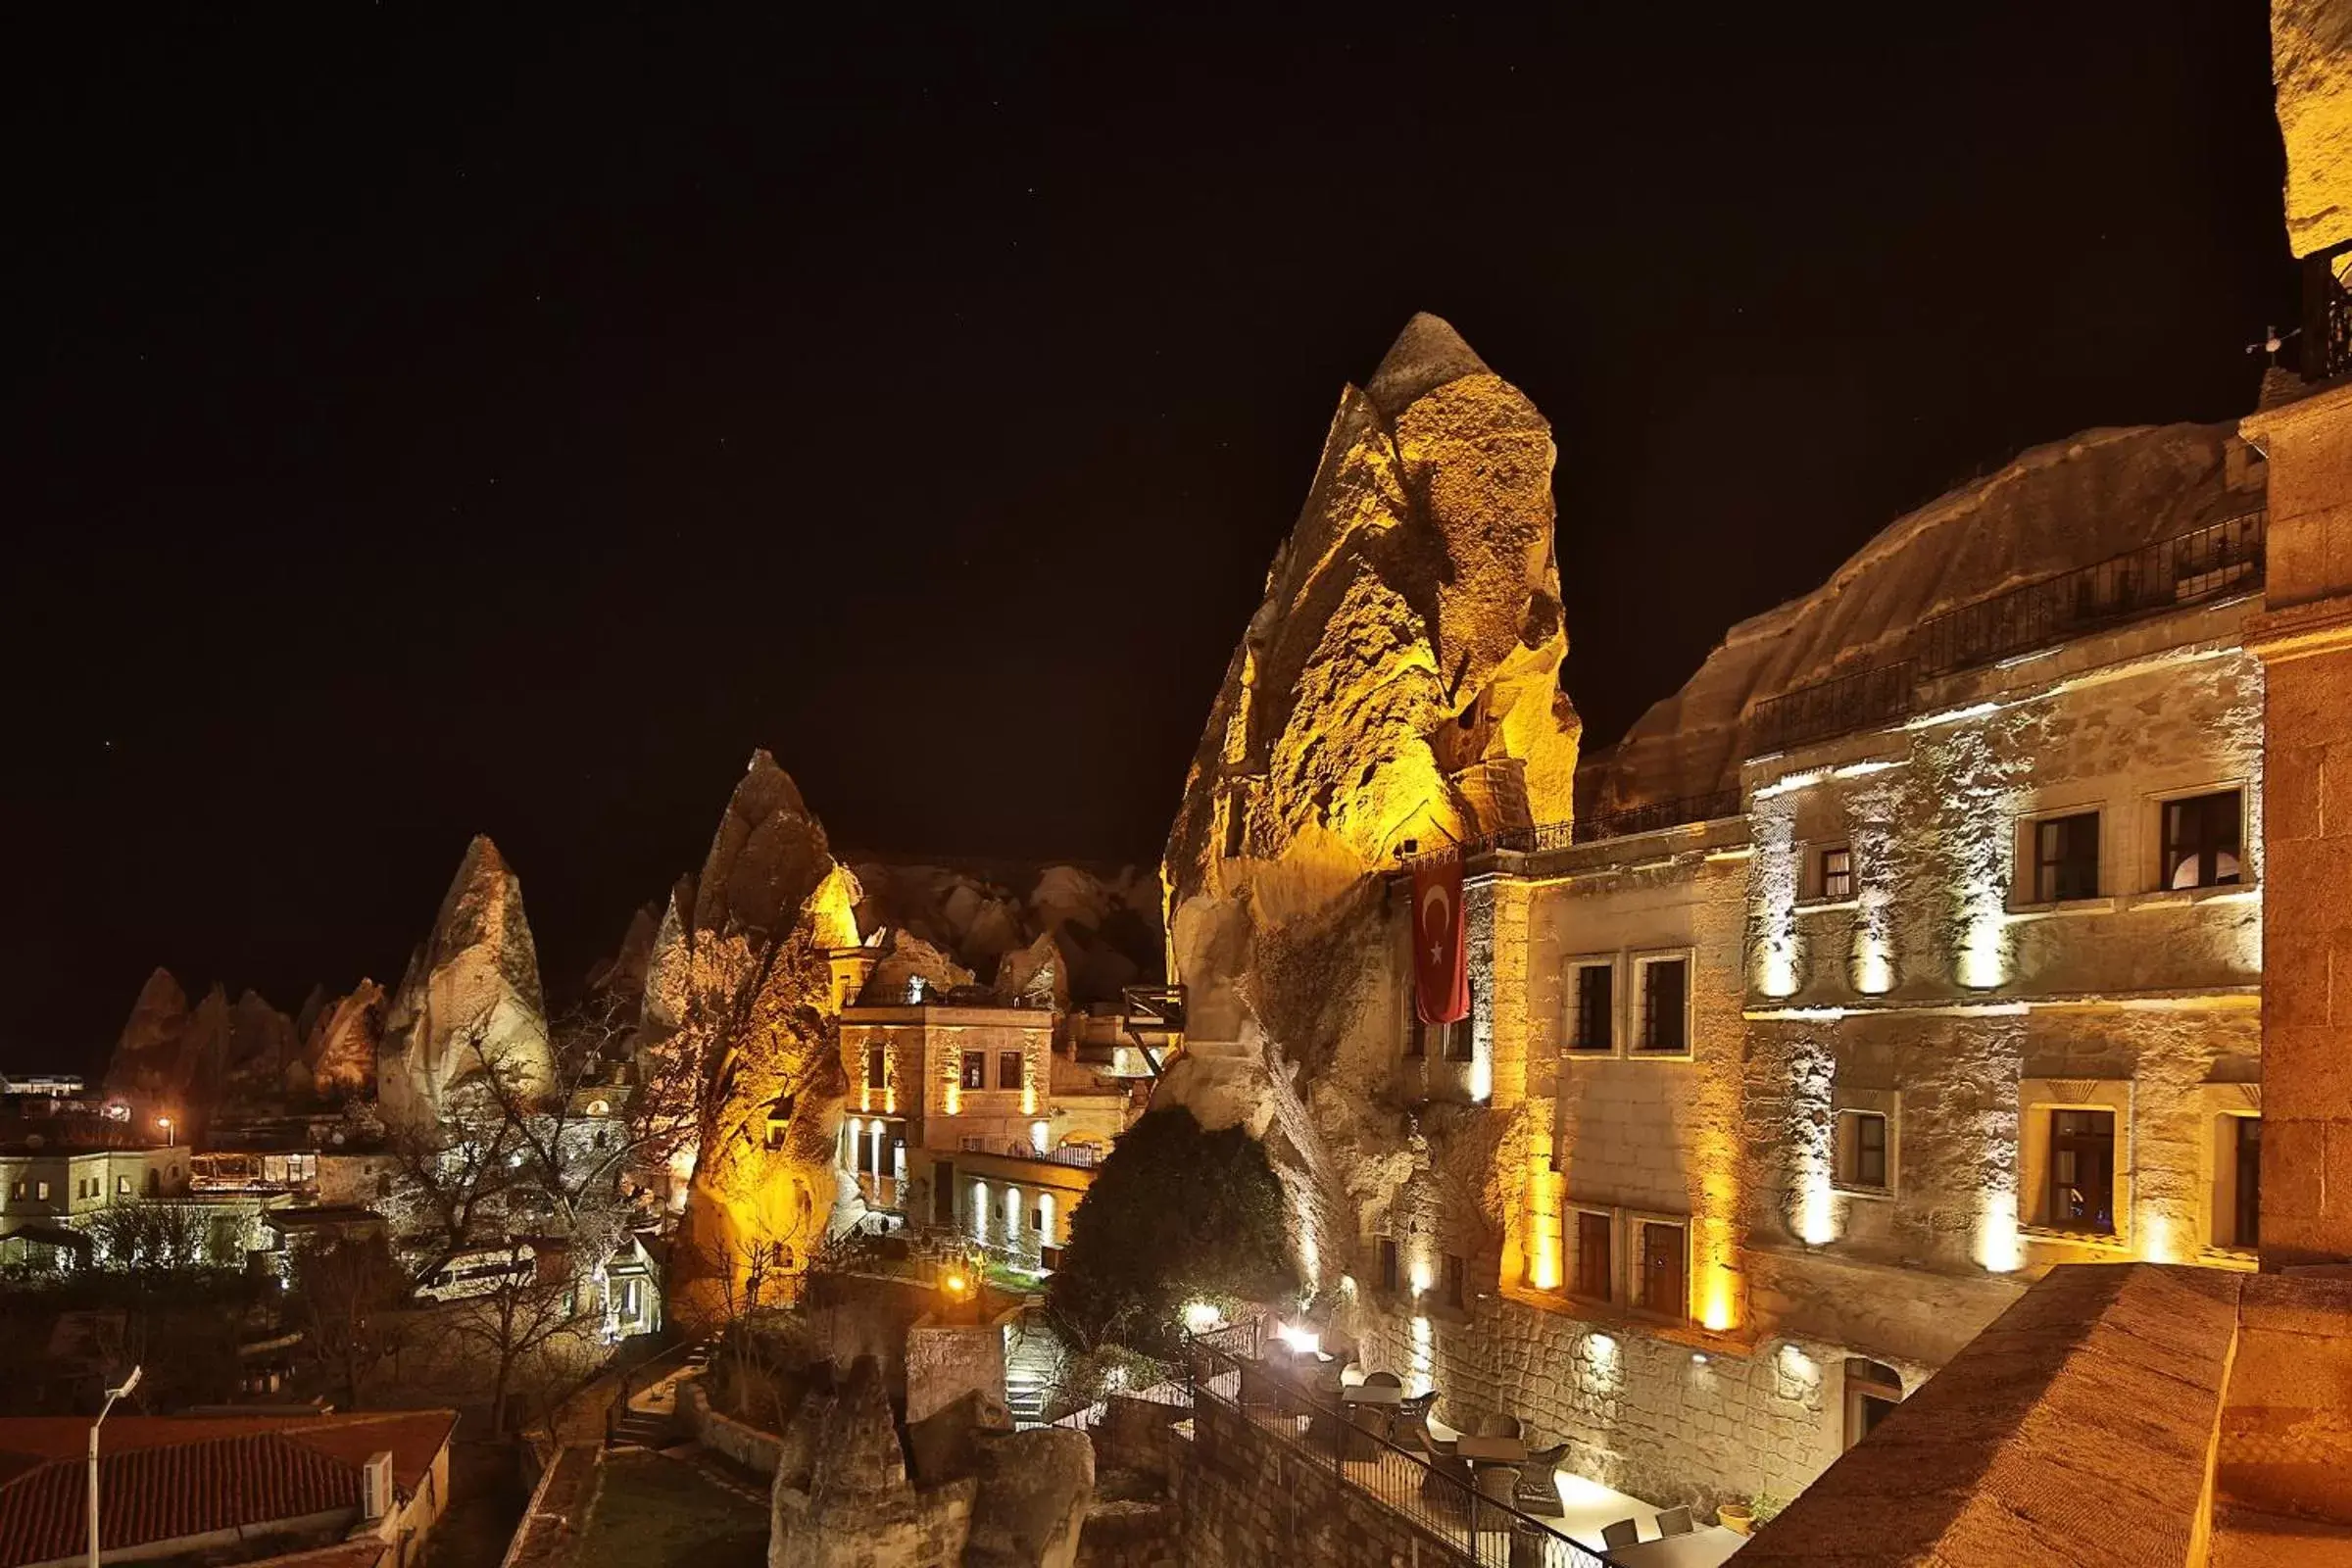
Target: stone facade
[(1768, 1095)]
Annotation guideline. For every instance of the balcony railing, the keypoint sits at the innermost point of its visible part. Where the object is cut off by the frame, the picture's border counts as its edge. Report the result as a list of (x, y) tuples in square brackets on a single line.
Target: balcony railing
[(1080, 1156), (2210, 563), (2326, 336), (1657, 816)]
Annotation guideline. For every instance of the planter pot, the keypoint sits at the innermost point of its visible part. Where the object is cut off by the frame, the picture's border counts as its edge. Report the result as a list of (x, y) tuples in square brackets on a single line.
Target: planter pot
[(1736, 1518)]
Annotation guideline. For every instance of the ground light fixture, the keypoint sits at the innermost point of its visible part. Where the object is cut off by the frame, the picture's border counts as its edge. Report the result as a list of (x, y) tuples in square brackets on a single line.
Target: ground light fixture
[(112, 1394)]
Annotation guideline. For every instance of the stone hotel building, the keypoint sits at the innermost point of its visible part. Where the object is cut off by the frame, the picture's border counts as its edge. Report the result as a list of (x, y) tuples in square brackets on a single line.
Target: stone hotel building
[(1913, 947)]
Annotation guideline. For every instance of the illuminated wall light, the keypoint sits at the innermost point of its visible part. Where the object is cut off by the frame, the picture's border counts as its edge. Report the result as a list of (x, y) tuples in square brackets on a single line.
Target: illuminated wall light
[(1720, 1311), (1305, 1341), (1698, 1358), (1817, 1206), (1046, 1213), (1873, 965), (1774, 877), (1422, 1276), (1013, 1213), (1038, 1131), (1422, 1372), (878, 1127), (979, 1211), (1998, 1246), (1202, 1316), (1798, 1365), (2156, 1232)]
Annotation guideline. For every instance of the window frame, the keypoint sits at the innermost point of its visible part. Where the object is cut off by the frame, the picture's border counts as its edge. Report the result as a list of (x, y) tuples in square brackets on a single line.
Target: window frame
[(972, 1072), (877, 1065), (1823, 891), (2172, 802), (1389, 1263), (1573, 993), (2044, 874), (2053, 1147), (1018, 1061), (1637, 1030), (1845, 1124)]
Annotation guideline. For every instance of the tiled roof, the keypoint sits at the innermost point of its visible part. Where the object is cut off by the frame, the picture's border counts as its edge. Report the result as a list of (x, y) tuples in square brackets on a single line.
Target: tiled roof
[(166, 1477)]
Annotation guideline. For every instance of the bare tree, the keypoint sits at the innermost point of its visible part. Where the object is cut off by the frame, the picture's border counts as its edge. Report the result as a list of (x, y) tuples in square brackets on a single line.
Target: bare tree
[(516, 1320), (348, 1292)]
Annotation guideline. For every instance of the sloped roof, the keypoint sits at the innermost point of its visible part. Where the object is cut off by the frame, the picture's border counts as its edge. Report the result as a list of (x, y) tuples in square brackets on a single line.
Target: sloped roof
[(2074, 1429), (161, 1477)]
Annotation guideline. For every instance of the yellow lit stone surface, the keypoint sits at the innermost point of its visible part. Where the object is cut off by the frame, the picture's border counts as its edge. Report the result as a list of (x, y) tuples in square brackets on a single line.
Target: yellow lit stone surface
[(1400, 683), (744, 1037), (2311, 63)]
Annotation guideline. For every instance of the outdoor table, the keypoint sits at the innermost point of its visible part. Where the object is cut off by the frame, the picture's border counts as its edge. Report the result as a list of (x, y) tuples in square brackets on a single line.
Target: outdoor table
[(1705, 1547), (1494, 1450), (1371, 1393)]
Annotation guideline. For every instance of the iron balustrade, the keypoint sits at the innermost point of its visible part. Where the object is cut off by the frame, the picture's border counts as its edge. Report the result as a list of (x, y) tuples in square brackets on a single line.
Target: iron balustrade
[(2327, 346), (2205, 564), (1657, 816), (1472, 1529), (1079, 1156), (2185, 569)]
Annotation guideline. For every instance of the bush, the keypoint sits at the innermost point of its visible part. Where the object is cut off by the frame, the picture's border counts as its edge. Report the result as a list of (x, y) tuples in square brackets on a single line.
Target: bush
[(1176, 1215)]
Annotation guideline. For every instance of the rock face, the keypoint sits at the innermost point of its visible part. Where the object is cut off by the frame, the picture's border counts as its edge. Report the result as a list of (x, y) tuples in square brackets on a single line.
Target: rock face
[(260, 1060), (741, 1038), (471, 998), (2311, 60), (339, 1048), (1399, 684), (1106, 925), (842, 1496)]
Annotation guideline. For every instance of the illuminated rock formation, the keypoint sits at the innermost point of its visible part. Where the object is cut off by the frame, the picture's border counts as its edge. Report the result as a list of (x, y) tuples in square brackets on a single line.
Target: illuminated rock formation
[(471, 998), (1398, 685), (168, 1059), (2311, 60), (741, 1037), (339, 1048)]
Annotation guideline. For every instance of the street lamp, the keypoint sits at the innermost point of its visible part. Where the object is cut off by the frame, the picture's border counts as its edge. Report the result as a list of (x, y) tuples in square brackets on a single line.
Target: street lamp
[(112, 1394), (165, 1122)]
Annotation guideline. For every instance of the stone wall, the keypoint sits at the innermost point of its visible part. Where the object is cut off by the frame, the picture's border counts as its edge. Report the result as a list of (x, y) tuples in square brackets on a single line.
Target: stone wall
[(946, 1360), (749, 1446), (1643, 1412)]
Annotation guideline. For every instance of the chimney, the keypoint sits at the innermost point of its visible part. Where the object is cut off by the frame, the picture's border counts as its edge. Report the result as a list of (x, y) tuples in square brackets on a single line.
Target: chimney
[(375, 1487)]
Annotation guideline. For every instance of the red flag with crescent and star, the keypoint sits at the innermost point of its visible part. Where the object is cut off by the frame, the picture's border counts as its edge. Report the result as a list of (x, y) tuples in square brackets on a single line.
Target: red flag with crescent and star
[(1441, 968)]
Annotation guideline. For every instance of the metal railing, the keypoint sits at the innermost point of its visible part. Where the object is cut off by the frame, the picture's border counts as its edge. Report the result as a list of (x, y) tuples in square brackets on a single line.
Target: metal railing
[(1080, 1156), (2209, 563), (2202, 564), (1657, 816), (1470, 1528), (2327, 346)]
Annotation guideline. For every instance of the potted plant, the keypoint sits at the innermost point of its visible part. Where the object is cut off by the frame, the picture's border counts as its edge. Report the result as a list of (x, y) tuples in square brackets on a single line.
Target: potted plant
[(1737, 1517)]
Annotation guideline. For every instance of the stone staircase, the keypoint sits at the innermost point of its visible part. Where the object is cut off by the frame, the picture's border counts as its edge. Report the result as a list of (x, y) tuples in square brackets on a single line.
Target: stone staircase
[(1032, 1371), (649, 1419)]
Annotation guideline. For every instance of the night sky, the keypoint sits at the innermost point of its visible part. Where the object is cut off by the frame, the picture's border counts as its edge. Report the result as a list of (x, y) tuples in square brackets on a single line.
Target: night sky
[(419, 427)]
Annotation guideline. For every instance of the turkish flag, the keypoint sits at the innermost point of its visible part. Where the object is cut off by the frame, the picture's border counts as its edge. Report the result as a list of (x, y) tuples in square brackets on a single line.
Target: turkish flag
[(1441, 967)]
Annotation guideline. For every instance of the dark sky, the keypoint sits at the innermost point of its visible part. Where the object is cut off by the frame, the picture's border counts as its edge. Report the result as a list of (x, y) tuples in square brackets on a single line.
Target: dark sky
[(416, 426)]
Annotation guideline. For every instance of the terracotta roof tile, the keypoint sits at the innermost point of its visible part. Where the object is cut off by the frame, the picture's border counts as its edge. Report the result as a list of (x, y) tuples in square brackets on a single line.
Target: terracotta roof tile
[(165, 1477)]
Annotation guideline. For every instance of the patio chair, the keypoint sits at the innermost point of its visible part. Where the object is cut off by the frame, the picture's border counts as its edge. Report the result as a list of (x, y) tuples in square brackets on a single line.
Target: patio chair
[(1384, 1379), (1497, 1426), (1674, 1522), (1621, 1533), (1538, 1494), (1410, 1429), (1446, 1487), (1499, 1483), (1366, 1424)]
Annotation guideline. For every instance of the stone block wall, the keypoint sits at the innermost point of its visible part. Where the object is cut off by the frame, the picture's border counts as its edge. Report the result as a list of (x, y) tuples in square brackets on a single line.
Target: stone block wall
[(749, 1446), (1639, 1412)]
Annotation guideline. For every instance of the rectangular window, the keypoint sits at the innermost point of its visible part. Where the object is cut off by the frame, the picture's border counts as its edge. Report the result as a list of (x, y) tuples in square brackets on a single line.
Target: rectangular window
[(1593, 1270), (1665, 1010), (1862, 1149), (15, 1189), (1009, 1070), (865, 1153), (1594, 999), (2201, 840), (877, 1067), (1387, 1264), (1663, 1290), (2249, 1181), (975, 1069), (1416, 1040), (942, 1194), (1456, 1036), (121, 1187), (43, 1192), (2082, 1171), (2066, 857), (1450, 1276), (1836, 872)]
